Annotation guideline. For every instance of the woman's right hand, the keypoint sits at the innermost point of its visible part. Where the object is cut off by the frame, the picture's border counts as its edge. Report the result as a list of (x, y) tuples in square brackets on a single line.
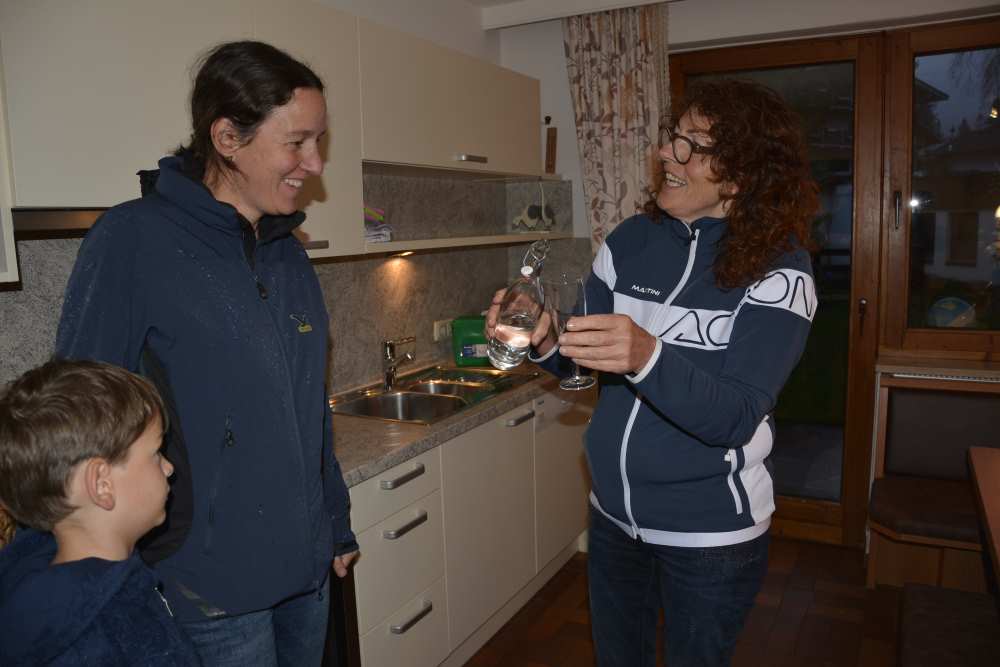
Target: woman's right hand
[(542, 338)]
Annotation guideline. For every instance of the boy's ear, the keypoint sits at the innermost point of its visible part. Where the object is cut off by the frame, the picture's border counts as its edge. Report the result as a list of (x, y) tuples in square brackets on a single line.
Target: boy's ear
[(98, 483)]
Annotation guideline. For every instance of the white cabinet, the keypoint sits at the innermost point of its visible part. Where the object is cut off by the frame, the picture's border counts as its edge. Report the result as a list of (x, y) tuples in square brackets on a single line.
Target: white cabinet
[(562, 480), (327, 40), (423, 104), (96, 91), (489, 519), (8, 257), (399, 578)]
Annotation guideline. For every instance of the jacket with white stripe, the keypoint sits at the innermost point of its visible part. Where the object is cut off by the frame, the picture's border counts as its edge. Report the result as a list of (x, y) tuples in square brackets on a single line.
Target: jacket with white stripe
[(677, 450)]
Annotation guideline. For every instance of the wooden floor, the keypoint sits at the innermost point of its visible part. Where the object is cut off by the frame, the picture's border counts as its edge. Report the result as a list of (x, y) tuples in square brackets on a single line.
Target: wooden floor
[(813, 610)]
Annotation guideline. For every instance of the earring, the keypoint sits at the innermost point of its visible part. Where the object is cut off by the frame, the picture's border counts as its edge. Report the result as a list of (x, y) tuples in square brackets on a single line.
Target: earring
[(231, 159)]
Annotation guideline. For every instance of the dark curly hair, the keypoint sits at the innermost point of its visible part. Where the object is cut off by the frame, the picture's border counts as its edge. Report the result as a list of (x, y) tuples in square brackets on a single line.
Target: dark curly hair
[(760, 149)]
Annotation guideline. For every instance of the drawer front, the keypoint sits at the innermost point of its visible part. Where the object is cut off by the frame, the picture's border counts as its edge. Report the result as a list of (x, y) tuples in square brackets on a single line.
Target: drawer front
[(400, 557), (387, 493), (414, 636)]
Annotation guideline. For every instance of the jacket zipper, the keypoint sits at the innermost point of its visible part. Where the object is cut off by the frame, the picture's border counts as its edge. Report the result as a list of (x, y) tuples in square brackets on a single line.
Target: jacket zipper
[(249, 250), (622, 460)]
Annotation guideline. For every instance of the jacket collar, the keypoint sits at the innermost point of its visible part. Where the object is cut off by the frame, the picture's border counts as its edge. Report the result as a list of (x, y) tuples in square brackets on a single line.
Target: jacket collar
[(710, 230), (172, 183)]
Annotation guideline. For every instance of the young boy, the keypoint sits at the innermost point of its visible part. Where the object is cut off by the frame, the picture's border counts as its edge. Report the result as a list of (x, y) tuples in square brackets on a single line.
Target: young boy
[(80, 465)]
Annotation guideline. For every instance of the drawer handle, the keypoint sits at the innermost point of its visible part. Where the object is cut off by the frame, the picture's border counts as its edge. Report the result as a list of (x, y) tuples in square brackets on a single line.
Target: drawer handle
[(316, 245), (466, 157), (390, 484), (520, 420), (409, 623), (397, 533)]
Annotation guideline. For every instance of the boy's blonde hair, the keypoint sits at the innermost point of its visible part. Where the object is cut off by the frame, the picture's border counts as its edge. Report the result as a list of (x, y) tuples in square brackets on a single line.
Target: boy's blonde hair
[(61, 414)]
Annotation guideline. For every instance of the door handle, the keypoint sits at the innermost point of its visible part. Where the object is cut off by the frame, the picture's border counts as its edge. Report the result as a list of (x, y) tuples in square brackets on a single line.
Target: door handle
[(862, 310), (897, 206)]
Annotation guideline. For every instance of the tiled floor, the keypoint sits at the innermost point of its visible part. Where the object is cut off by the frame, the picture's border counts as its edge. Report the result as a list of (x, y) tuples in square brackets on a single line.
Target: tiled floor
[(813, 611)]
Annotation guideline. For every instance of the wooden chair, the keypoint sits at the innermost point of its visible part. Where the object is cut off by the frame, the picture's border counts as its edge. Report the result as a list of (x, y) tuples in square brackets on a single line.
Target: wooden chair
[(922, 514)]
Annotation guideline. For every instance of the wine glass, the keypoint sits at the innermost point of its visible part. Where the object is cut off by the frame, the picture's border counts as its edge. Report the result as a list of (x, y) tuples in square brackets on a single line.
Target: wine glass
[(566, 296)]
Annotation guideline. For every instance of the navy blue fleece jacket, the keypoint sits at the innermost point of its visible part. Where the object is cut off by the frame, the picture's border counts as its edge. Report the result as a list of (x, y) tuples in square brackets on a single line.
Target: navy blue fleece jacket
[(677, 451), (87, 612)]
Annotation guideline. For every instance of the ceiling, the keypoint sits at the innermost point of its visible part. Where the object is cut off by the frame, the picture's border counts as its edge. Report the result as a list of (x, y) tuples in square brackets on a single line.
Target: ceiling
[(505, 13)]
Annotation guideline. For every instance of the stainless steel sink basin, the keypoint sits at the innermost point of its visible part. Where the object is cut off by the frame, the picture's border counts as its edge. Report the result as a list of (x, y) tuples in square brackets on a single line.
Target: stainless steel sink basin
[(467, 390), (427, 396), (403, 406)]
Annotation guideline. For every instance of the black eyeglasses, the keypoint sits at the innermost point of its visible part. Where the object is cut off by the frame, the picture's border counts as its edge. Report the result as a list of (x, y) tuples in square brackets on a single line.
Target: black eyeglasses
[(683, 147)]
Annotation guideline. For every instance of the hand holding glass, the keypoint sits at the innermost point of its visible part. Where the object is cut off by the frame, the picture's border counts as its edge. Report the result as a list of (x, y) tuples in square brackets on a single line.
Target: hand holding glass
[(563, 296)]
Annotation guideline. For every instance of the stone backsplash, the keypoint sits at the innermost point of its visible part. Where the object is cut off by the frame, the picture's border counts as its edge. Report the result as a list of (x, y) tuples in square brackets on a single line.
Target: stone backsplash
[(370, 298)]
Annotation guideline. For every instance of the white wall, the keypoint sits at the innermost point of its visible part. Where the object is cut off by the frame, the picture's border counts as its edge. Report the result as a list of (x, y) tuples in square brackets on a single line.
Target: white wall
[(452, 23), (537, 50)]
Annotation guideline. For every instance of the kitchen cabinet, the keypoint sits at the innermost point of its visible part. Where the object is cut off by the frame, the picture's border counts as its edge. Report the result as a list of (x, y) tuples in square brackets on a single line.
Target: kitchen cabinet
[(489, 519), (562, 480), (96, 91), (8, 256), (327, 40), (399, 579), (423, 104)]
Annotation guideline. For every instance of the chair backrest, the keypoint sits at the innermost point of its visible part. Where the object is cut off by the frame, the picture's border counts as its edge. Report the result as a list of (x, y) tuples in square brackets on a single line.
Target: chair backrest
[(929, 432)]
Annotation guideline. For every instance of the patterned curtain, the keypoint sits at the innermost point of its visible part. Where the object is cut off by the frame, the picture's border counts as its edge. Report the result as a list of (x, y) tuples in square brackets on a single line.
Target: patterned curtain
[(617, 67)]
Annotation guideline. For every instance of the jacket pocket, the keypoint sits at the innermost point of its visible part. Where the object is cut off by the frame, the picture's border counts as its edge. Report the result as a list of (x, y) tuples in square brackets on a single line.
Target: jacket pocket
[(732, 459), (228, 442)]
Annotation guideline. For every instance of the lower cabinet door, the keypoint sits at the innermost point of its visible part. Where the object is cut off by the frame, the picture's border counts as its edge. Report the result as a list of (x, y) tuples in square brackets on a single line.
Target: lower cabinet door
[(488, 519), (400, 557), (414, 636)]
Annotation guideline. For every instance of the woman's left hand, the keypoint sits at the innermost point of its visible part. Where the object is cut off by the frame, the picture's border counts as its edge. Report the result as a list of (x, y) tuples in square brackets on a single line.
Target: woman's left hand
[(610, 343), (342, 562)]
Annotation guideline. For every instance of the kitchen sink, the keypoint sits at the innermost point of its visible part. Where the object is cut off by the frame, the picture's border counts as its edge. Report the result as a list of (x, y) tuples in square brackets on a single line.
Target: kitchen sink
[(466, 390), (427, 396), (405, 406)]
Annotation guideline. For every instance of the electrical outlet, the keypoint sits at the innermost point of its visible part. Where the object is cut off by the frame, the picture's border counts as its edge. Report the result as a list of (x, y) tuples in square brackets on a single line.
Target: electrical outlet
[(442, 330)]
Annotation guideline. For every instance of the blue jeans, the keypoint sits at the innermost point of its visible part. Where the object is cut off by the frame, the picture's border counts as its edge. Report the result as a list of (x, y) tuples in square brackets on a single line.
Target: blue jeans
[(705, 593), (291, 634)]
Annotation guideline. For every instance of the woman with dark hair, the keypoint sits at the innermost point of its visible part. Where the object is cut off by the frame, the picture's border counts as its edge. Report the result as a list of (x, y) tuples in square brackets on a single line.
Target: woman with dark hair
[(700, 310), (201, 286)]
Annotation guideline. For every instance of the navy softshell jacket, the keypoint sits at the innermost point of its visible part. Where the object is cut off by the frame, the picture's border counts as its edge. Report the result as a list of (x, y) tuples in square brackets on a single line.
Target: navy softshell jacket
[(233, 330)]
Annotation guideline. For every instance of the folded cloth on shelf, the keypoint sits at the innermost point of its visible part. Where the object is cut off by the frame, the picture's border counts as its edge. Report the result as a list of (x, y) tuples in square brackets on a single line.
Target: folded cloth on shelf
[(378, 233)]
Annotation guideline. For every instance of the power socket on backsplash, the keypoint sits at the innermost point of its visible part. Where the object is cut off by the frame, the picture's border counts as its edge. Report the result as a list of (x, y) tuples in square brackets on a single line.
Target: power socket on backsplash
[(442, 330)]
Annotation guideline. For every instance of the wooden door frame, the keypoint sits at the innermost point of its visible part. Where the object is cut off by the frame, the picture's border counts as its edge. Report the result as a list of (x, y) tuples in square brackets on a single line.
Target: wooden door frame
[(897, 338), (843, 522)]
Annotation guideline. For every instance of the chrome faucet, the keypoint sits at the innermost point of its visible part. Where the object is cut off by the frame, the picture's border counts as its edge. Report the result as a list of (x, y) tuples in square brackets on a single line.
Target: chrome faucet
[(390, 361)]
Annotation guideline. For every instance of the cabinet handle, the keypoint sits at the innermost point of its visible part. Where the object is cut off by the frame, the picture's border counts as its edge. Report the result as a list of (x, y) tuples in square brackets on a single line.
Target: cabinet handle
[(466, 157), (390, 484), (397, 533), (410, 622), (520, 420), (316, 245)]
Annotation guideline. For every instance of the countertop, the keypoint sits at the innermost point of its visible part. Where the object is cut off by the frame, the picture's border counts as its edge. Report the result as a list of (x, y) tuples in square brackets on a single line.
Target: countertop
[(366, 447)]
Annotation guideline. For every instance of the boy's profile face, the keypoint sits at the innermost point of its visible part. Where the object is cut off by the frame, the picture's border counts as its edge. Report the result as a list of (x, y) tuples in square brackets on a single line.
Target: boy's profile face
[(141, 484)]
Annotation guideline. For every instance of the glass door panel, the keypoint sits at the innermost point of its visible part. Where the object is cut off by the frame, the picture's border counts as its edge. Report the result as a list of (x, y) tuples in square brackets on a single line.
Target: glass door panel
[(954, 253), (809, 447)]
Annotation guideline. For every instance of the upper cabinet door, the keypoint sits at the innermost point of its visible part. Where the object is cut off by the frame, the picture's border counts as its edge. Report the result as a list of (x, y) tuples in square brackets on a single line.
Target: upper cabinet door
[(8, 258), (96, 91), (423, 104), (326, 40)]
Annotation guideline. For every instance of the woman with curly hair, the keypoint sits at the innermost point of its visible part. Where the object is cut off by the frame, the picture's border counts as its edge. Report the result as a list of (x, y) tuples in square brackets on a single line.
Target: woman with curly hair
[(700, 309)]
